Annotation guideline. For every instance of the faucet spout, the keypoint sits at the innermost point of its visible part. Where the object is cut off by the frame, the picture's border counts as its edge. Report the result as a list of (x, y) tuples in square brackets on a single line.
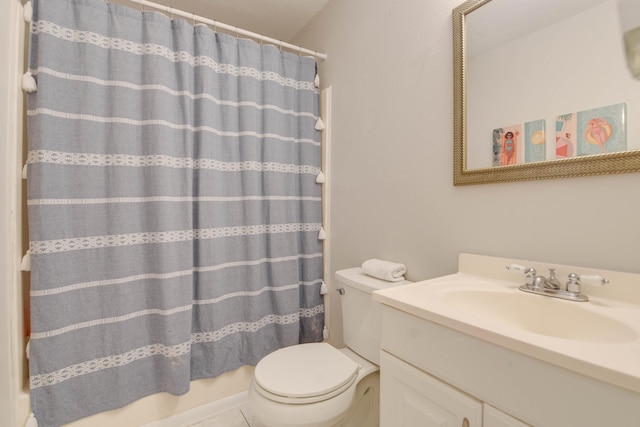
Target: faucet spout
[(542, 283), (552, 281)]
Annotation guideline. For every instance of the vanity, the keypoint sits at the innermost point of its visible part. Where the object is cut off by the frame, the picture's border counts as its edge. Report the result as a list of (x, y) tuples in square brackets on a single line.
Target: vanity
[(471, 349)]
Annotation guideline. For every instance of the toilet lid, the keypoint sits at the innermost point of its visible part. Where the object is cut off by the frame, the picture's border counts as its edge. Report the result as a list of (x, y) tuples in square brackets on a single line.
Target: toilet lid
[(305, 370)]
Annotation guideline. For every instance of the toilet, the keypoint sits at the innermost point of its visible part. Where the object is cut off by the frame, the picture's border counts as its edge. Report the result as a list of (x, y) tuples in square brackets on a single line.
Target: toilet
[(317, 385)]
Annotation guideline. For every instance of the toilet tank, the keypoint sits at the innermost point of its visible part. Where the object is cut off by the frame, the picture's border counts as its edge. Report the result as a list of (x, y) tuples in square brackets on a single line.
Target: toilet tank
[(361, 315)]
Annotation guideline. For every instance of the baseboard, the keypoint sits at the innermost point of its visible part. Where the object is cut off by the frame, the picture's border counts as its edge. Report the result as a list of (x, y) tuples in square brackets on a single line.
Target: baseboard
[(202, 412)]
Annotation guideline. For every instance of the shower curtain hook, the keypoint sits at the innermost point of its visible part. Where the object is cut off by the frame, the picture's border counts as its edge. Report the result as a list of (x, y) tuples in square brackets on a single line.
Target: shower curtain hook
[(171, 12), (194, 19)]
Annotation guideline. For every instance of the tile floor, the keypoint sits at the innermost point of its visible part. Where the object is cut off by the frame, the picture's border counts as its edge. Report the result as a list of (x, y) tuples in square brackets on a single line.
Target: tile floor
[(238, 417)]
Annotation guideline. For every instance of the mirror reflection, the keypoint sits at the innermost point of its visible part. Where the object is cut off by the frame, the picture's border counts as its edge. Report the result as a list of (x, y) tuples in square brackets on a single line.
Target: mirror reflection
[(545, 80)]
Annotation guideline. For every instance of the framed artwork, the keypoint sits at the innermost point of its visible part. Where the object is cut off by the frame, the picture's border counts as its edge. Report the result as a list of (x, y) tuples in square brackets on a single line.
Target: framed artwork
[(534, 141), (507, 145), (566, 136), (596, 131), (602, 130)]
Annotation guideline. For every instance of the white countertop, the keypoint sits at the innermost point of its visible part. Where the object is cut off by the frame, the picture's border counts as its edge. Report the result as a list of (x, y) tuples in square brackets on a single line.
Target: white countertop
[(613, 357)]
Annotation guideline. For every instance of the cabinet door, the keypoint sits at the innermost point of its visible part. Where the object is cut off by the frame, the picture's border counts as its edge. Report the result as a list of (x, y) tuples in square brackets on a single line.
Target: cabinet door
[(411, 398), (496, 418)]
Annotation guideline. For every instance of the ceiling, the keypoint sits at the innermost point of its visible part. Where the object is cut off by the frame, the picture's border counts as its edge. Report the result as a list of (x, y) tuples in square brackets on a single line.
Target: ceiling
[(499, 22), (278, 19)]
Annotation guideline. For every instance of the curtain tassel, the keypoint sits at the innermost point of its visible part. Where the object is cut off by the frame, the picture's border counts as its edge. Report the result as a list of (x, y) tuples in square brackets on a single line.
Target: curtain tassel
[(24, 171), (316, 81), (31, 421), (320, 178), (25, 265), (321, 234), (29, 83), (324, 289), (320, 124), (27, 12)]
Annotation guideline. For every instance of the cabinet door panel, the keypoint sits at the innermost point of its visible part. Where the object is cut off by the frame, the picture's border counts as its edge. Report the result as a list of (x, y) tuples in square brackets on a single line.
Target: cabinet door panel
[(412, 398)]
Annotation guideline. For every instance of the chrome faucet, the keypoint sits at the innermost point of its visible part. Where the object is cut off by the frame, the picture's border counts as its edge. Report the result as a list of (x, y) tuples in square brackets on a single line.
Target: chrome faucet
[(550, 286), (541, 282)]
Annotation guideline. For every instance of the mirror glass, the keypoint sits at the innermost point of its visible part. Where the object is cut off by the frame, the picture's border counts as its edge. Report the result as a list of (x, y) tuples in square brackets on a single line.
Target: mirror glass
[(542, 90)]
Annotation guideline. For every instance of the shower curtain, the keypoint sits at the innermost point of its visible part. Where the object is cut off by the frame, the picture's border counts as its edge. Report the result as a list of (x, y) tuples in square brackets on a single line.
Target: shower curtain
[(174, 214)]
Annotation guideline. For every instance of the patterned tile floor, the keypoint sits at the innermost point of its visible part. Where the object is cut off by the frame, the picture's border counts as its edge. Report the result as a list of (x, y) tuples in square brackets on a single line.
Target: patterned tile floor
[(239, 417)]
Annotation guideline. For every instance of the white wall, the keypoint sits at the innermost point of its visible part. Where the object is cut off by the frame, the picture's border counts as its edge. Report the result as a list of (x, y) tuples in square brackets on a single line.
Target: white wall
[(390, 68)]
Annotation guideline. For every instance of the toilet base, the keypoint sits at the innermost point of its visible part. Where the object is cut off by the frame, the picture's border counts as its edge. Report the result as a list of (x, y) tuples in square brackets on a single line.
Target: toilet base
[(366, 408)]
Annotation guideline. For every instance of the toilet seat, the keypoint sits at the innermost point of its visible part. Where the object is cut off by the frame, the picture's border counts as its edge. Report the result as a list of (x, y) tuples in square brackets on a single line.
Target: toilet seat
[(304, 373)]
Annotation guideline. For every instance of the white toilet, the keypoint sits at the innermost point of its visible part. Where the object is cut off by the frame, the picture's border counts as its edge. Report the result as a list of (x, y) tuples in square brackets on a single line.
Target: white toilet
[(317, 385)]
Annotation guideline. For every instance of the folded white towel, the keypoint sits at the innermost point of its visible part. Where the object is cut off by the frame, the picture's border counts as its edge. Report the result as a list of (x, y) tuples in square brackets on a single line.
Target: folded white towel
[(385, 270)]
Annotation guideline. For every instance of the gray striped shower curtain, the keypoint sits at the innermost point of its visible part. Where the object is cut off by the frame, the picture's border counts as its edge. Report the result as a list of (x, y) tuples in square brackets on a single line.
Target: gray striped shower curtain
[(173, 206)]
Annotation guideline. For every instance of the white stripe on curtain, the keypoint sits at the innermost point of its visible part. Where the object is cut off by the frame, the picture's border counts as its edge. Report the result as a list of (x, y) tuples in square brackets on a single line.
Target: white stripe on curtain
[(173, 208), (193, 96), (114, 43), (177, 126), (167, 199), (155, 276)]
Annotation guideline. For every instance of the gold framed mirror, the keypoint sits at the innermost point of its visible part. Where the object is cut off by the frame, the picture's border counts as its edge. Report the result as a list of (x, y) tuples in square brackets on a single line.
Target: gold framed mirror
[(596, 164)]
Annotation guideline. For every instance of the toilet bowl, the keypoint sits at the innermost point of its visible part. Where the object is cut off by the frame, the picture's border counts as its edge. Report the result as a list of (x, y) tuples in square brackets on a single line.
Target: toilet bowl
[(318, 385), (317, 389)]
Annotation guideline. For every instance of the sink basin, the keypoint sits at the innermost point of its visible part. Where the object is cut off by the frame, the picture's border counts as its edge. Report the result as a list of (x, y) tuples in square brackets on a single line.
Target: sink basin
[(539, 314)]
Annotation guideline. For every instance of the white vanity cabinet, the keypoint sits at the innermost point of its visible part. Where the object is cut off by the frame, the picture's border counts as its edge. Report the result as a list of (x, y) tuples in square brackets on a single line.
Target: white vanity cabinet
[(412, 398), (494, 418), (473, 340), (432, 375)]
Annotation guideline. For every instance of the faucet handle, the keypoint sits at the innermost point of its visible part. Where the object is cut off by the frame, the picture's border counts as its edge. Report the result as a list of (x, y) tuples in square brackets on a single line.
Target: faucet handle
[(529, 273), (517, 267), (573, 285), (593, 279)]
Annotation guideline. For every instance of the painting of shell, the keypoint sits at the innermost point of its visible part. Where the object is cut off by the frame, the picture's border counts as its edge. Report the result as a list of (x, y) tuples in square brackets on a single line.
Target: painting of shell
[(601, 130)]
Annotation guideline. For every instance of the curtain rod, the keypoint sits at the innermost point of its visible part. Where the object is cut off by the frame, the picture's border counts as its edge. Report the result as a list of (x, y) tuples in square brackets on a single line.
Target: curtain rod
[(171, 11)]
